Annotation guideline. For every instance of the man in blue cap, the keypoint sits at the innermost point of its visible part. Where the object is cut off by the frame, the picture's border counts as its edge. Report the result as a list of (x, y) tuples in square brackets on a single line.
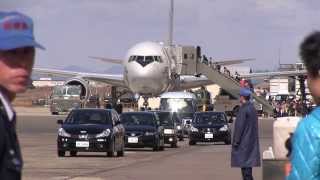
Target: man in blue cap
[(245, 145), (17, 54)]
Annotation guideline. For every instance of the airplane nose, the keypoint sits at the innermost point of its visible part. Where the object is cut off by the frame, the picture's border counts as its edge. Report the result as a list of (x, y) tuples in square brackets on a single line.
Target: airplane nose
[(148, 79), (143, 63)]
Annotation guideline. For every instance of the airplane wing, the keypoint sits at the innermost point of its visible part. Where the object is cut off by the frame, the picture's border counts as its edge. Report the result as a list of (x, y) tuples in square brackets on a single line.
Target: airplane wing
[(188, 81), (274, 74), (231, 62), (116, 80), (108, 60)]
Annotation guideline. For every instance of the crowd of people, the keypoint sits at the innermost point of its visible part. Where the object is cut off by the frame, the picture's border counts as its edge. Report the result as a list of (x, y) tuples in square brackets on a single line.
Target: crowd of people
[(291, 107)]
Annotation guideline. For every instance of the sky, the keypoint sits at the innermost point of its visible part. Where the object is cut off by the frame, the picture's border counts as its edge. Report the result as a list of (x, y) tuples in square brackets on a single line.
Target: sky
[(72, 30)]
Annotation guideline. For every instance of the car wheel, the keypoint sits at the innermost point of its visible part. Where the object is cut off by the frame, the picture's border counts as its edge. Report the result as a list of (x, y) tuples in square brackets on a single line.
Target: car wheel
[(228, 140), (55, 113), (121, 152), (174, 145), (181, 138), (191, 143), (61, 153), (73, 153), (156, 147), (161, 145), (111, 152)]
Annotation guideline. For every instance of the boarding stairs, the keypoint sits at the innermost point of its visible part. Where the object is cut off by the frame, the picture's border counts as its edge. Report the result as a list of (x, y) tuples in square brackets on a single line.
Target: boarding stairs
[(229, 84)]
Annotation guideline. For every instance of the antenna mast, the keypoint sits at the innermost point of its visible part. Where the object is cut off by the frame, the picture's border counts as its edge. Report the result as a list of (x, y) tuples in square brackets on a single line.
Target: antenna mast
[(170, 32)]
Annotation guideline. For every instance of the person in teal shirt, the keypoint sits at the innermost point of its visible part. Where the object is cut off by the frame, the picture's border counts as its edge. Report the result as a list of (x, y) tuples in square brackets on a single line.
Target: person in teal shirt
[(305, 156)]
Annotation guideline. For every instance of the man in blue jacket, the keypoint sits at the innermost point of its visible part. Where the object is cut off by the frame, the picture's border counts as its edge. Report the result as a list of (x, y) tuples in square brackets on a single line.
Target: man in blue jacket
[(245, 146), (305, 156)]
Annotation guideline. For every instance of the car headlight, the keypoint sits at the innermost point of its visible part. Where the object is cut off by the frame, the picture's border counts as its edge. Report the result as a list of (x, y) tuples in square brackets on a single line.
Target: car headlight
[(168, 131), (149, 133), (178, 127), (224, 128), (193, 129), (63, 133), (104, 133)]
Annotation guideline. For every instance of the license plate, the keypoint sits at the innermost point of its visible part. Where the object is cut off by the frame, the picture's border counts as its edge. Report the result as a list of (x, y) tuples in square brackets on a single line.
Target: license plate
[(168, 131), (82, 143), (133, 140), (208, 136)]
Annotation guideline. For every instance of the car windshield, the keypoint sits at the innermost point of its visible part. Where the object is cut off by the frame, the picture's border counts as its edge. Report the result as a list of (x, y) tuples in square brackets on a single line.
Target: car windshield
[(177, 105), (209, 118), (138, 119), (165, 118), (88, 117)]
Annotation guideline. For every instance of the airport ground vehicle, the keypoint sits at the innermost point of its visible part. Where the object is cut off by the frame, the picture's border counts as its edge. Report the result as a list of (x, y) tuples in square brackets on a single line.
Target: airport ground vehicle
[(210, 127), (64, 98), (169, 125), (91, 130), (143, 129), (184, 105)]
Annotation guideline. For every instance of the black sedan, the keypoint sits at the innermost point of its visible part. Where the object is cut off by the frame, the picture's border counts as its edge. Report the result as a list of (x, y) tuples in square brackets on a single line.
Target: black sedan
[(210, 127), (169, 125), (143, 129), (91, 130)]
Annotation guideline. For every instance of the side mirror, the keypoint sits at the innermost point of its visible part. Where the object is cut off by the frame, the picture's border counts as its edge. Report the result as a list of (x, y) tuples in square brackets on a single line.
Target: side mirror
[(60, 121), (231, 120)]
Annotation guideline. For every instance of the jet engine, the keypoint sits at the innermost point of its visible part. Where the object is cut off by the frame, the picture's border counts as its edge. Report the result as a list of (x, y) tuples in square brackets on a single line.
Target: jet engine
[(84, 84)]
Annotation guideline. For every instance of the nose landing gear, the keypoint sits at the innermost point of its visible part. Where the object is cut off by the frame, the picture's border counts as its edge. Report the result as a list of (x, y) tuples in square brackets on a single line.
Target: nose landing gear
[(145, 104)]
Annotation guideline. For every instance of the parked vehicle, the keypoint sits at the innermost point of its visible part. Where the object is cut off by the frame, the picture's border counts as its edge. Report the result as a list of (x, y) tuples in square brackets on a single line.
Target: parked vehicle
[(143, 129), (91, 130), (210, 127)]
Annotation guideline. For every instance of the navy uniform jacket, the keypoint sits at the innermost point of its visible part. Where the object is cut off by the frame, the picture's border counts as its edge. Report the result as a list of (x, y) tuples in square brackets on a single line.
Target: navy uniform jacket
[(10, 154), (245, 145)]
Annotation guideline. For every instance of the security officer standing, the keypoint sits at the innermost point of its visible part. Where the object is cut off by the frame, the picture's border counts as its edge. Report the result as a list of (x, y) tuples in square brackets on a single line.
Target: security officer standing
[(17, 53), (245, 146)]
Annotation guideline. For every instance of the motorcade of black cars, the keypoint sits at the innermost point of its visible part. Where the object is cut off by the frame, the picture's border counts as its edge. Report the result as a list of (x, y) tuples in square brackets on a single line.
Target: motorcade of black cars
[(143, 129), (91, 130), (170, 129), (210, 127)]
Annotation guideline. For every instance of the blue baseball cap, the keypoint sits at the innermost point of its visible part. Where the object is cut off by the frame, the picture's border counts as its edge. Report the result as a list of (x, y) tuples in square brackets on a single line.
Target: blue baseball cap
[(245, 92), (16, 31)]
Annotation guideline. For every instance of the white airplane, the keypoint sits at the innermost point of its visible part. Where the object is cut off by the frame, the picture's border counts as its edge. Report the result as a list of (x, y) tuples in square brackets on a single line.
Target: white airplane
[(149, 70)]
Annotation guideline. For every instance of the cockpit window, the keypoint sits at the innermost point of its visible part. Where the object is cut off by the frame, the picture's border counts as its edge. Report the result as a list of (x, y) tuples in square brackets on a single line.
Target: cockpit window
[(145, 60), (139, 58), (149, 59), (132, 58), (158, 59)]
